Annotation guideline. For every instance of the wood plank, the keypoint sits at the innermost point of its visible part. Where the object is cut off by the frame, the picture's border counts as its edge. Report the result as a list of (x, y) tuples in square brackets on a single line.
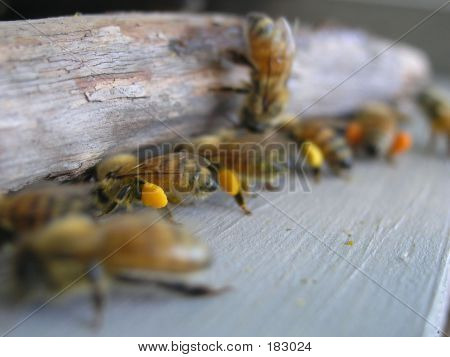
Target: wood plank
[(288, 282)]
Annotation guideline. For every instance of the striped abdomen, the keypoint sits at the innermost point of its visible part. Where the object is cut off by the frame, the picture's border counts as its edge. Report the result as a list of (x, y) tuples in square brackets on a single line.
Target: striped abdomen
[(333, 146), (378, 134), (271, 47), (30, 209)]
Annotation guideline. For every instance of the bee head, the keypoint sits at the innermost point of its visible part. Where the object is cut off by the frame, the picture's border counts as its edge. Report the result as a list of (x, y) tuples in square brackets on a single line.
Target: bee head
[(259, 24), (202, 176), (204, 181)]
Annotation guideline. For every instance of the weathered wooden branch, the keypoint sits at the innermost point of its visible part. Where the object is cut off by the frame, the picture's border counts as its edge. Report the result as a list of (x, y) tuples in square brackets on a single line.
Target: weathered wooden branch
[(74, 88)]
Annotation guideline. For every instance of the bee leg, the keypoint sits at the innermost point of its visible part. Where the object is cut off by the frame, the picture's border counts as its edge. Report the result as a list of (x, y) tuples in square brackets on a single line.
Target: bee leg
[(191, 289), (239, 198), (238, 90), (95, 277), (122, 196), (237, 57), (169, 215), (229, 182), (109, 208), (103, 201)]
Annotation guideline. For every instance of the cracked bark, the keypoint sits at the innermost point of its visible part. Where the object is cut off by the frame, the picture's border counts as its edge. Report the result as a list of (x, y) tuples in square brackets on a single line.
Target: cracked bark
[(74, 88)]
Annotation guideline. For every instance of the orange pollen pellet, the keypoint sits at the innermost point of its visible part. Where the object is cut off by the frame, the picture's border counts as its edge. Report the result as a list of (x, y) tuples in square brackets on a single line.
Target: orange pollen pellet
[(402, 143)]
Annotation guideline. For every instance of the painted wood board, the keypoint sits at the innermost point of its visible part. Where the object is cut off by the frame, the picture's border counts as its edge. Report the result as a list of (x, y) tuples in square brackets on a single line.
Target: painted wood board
[(290, 270)]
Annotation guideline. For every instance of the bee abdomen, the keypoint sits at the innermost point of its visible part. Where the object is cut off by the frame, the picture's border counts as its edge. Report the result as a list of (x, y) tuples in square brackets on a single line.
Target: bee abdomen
[(34, 209), (333, 146), (29, 211)]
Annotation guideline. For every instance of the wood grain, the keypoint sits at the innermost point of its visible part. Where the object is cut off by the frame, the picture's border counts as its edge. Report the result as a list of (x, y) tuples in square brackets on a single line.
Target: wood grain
[(75, 88), (290, 269)]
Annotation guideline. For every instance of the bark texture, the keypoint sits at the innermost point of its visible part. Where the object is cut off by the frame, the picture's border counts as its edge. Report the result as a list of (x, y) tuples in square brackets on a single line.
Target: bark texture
[(75, 88)]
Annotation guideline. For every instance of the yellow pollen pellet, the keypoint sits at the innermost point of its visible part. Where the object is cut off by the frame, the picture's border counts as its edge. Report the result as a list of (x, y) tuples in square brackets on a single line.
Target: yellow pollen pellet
[(153, 196), (313, 154), (229, 182)]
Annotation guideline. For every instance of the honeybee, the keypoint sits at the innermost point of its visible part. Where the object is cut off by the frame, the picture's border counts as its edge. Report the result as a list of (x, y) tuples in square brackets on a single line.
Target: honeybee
[(37, 205), (139, 247), (321, 143), (437, 110), (240, 160), (173, 177), (375, 131), (270, 52)]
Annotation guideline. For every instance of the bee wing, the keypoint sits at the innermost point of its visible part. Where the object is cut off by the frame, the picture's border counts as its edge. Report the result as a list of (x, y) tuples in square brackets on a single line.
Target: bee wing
[(170, 164), (287, 36), (247, 38), (153, 167), (281, 56)]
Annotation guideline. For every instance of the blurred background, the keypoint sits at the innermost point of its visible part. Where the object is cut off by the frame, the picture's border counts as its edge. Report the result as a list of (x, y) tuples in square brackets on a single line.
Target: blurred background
[(389, 18)]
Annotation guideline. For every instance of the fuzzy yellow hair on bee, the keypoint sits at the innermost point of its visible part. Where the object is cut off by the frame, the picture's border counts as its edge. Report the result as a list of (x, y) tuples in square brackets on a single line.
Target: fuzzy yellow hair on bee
[(118, 164)]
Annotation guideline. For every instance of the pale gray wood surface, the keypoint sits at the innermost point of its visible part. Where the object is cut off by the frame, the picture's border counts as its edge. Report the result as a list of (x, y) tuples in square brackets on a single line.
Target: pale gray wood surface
[(288, 282), (74, 88)]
